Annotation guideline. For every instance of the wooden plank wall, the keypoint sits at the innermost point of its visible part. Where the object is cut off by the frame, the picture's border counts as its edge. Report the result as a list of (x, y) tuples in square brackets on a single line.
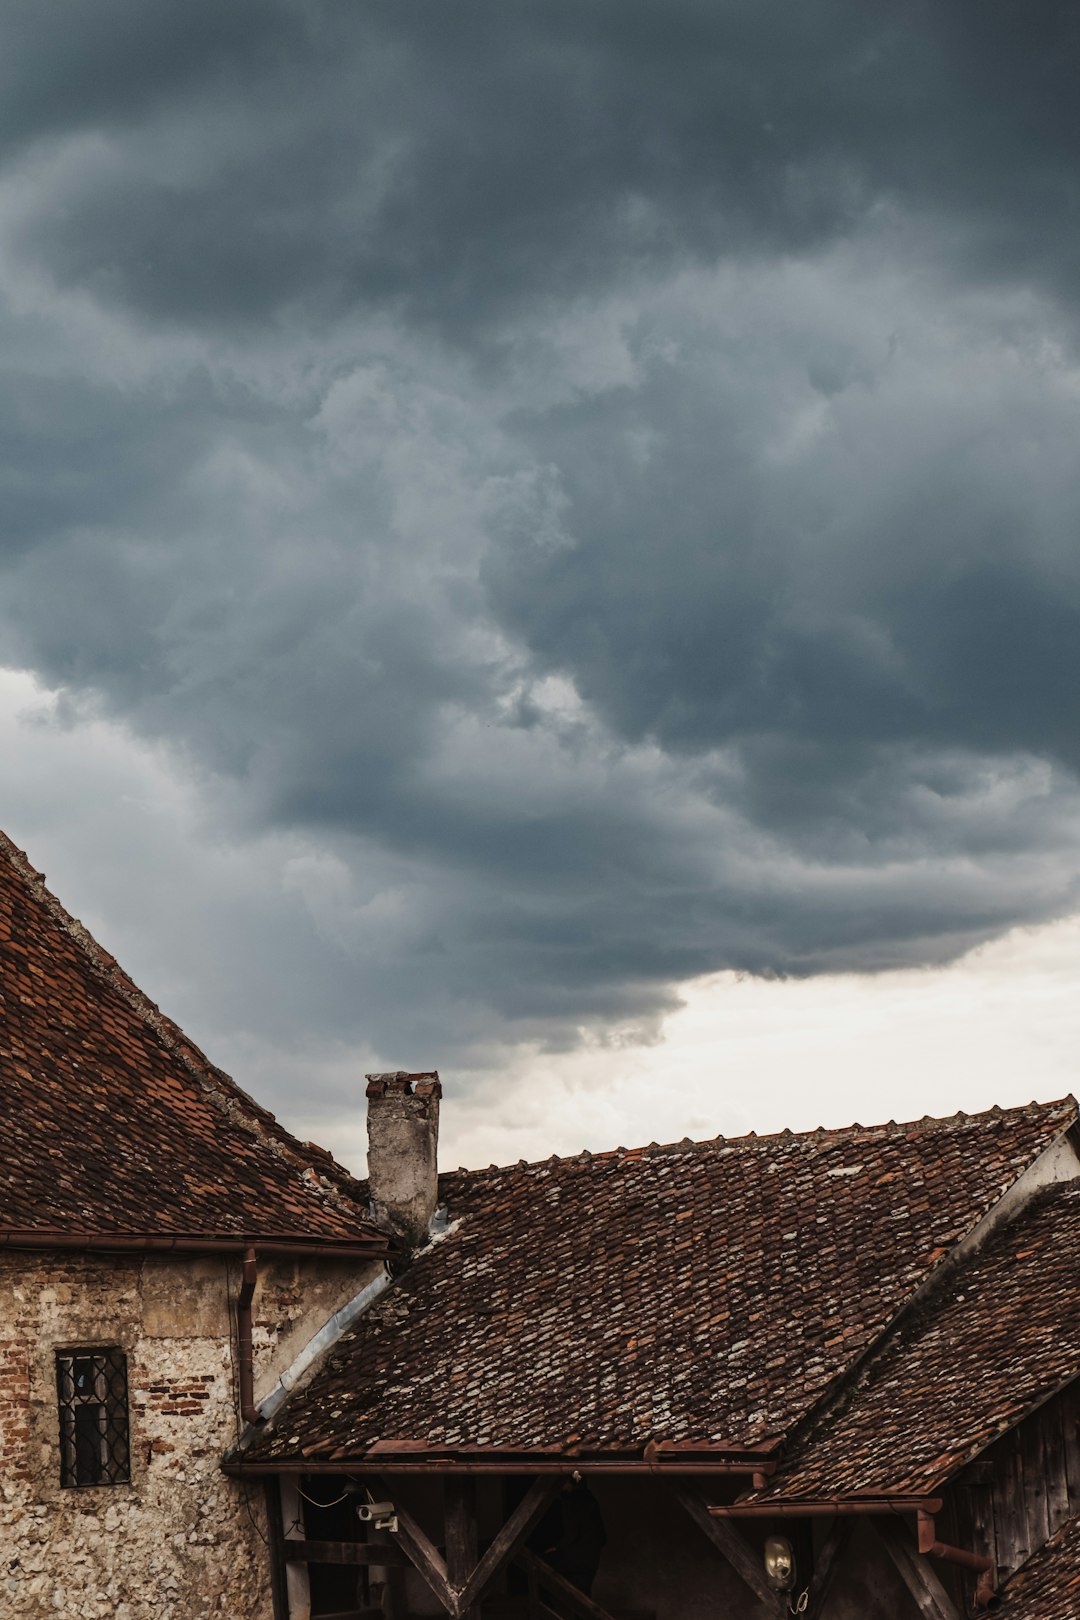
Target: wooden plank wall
[(1020, 1491)]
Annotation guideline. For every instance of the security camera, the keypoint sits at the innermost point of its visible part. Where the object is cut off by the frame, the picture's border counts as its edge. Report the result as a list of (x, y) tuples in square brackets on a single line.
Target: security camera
[(380, 1515)]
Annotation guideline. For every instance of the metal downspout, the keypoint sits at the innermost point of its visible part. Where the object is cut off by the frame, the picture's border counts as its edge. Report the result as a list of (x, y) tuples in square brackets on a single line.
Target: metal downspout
[(985, 1592), (249, 1412)]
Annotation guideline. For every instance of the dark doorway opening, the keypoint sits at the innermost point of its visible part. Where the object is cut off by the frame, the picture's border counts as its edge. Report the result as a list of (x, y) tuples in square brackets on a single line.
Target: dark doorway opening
[(338, 1591)]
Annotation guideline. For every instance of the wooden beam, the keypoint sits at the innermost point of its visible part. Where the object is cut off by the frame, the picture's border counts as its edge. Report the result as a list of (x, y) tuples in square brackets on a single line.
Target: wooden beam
[(578, 1602), (342, 1552), (826, 1565), (931, 1598), (508, 1540), (428, 1561), (420, 1551), (297, 1577), (462, 1545), (743, 1558)]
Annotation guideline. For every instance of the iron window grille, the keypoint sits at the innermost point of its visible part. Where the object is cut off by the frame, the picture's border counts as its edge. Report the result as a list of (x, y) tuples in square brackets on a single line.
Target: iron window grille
[(93, 1393)]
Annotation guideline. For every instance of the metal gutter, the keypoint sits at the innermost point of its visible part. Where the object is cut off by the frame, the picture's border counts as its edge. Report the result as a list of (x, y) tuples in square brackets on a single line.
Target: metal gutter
[(827, 1507), (276, 1247), (517, 1463)]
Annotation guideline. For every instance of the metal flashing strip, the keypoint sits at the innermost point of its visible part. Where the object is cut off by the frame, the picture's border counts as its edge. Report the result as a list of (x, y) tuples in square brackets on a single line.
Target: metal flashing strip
[(314, 1349)]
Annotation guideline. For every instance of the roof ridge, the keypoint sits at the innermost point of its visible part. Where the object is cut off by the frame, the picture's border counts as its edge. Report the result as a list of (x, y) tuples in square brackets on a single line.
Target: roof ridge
[(218, 1086), (752, 1140)]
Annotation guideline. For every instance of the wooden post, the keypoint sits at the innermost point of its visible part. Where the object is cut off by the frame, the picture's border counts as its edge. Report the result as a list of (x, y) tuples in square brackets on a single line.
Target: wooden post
[(462, 1542), (275, 1538), (825, 1568), (297, 1584), (390, 1558)]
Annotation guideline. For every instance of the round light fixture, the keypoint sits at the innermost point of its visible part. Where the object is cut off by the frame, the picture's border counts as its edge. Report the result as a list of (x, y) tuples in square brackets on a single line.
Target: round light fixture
[(779, 1563)]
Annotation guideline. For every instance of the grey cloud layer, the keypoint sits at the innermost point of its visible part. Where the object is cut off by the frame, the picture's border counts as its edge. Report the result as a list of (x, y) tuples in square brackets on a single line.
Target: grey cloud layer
[(604, 473), (461, 162)]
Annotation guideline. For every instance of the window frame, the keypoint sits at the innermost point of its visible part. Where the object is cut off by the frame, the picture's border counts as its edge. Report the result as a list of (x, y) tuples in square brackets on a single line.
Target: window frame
[(94, 1417)]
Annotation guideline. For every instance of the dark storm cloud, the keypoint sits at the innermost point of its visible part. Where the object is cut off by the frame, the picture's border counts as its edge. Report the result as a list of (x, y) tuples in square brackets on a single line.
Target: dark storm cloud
[(604, 473), (902, 578), (456, 160)]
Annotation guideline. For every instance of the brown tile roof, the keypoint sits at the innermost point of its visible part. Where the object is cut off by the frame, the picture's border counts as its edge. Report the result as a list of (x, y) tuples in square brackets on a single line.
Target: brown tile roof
[(705, 1292), (1047, 1587), (992, 1344), (112, 1120)]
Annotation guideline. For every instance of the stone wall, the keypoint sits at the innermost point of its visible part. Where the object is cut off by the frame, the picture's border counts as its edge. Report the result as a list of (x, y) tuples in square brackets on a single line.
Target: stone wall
[(181, 1540)]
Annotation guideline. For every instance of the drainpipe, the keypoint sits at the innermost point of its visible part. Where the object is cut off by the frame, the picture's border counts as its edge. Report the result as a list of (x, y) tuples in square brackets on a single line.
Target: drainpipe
[(986, 1596), (244, 1353)]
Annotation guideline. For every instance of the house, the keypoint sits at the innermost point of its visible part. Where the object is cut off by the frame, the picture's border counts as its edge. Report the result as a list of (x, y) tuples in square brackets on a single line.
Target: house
[(830, 1373), (845, 1362), (165, 1249)]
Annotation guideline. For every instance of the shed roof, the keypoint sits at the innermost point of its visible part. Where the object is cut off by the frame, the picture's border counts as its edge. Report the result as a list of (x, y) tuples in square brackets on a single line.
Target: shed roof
[(113, 1121), (705, 1292), (1000, 1337), (1047, 1587)]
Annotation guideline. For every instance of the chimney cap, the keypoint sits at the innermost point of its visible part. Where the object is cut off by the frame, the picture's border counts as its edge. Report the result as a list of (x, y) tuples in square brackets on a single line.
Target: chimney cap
[(397, 1082)]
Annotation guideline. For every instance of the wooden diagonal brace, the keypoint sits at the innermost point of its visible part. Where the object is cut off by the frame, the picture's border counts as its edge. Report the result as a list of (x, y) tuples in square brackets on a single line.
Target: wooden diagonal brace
[(420, 1551), (727, 1540), (825, 1567), (549, 1580), (426, 1558), (462, 1546), (509, 1539), (931, 1598)]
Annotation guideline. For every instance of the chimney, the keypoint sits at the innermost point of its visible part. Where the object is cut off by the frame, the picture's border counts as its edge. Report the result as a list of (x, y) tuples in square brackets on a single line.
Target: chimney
[(403, 1138)]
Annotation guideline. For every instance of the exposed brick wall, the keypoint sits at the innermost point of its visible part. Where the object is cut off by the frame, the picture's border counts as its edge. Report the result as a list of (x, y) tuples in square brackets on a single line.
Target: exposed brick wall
[(181, 1540)]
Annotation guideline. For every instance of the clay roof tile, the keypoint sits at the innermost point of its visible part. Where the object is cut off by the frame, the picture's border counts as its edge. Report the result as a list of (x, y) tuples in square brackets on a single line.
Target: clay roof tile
[(724, 1285), (113, 1120)]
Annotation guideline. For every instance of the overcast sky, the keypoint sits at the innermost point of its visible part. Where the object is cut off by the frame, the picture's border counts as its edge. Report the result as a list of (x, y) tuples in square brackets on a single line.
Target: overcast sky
[(516, 515)]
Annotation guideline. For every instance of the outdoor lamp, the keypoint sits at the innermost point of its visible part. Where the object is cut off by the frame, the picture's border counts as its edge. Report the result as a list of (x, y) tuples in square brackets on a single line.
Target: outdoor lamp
[(779, 1563)]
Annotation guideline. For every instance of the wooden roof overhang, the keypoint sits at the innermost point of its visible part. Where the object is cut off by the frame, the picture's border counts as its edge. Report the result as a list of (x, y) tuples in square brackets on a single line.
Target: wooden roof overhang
[(460, 1577)]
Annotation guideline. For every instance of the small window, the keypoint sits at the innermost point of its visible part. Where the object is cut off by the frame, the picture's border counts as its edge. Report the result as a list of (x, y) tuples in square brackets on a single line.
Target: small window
[(92, 1389)]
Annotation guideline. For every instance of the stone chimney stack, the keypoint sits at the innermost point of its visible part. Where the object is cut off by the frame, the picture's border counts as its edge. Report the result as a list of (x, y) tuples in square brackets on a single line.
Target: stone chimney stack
[(403, 1139)]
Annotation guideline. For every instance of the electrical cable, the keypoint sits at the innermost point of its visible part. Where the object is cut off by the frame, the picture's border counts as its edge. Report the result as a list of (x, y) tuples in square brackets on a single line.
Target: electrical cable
[(337, 1499)]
